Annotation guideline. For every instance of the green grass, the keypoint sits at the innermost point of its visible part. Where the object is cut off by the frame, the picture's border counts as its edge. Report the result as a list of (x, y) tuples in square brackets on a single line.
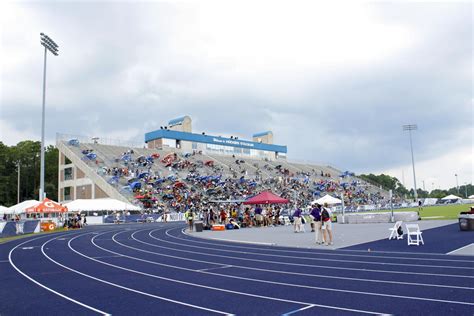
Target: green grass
[(5, 239), (437, 212)]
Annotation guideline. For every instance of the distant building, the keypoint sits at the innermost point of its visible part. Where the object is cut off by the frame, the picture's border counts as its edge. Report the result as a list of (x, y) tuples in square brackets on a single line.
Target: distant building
[(178, 134)]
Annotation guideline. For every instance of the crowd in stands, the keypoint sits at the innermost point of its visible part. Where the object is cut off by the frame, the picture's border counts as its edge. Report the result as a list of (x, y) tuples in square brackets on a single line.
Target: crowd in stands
[(192, 182)]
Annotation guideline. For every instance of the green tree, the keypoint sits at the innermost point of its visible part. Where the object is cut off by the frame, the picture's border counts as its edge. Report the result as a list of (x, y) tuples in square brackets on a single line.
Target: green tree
[(26, 154)]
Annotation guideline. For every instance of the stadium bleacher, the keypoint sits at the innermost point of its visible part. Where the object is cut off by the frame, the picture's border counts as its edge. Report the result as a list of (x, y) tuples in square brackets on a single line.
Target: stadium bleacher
[(132, 174)]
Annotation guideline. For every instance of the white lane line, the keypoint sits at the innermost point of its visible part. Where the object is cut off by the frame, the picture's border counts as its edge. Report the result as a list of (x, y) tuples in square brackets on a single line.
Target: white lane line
[(287, 272), (284, 284), (298, 310), (205, 286), (120, 286), (336, 260), (324, 252), (44, 286), (300, 264), (459, 249), (103, 257), (208, 269)]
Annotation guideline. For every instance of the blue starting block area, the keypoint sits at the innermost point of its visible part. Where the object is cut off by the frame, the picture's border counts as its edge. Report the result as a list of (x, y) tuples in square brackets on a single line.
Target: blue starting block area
[(158, 269)]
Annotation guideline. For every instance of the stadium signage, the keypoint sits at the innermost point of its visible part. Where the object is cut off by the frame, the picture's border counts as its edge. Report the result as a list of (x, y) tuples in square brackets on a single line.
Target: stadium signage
[(232, 142)]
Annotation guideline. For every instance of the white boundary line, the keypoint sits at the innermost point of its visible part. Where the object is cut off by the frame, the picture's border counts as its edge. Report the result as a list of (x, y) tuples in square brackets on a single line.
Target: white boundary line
[(314, 250), (298, 264), (117, 285), (285, 284), (205, 286), (298, 310), (44, 286), (326, 252), (285, 272), (460, 249)]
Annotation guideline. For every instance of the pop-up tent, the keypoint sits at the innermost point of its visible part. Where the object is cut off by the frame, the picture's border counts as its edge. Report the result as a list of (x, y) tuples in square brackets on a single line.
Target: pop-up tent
[(266, 198), (327, 199), (451, 197), (47, 206), (100, 205)]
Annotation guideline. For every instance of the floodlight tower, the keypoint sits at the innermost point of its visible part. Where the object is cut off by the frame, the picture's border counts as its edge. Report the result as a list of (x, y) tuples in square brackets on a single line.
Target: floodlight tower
[(409, 128), (49, 45)]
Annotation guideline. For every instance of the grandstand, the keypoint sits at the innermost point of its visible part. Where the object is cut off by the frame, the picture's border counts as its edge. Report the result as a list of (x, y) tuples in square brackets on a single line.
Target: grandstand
[(173, 178)]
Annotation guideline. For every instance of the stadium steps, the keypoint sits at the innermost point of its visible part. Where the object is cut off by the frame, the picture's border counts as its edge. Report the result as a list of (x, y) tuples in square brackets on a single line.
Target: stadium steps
[(90, 173)]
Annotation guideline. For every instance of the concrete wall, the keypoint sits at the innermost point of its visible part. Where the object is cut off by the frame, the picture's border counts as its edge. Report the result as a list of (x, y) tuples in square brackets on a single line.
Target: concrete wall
[(359, 218)]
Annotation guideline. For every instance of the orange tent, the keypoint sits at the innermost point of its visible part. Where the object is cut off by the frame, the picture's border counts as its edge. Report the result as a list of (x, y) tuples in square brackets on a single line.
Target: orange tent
[(47, 206)]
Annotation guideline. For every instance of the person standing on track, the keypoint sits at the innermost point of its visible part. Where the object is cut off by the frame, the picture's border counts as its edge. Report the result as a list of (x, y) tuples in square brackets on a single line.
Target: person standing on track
[(326, 224), (190, 218), (297, 220), (316, 215)]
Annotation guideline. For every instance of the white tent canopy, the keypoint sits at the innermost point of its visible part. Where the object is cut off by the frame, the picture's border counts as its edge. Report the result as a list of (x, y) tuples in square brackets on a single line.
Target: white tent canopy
[(4, 210), (451, 197), (21, 207), (100, 205), (327, 199)]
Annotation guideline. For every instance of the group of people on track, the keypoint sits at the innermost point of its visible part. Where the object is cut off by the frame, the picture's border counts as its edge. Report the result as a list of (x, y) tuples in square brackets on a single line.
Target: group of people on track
[(321, 223)]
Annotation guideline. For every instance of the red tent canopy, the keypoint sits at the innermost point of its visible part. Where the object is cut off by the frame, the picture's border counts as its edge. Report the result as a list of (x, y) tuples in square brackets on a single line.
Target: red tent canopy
[(266, 198), (47, 206)]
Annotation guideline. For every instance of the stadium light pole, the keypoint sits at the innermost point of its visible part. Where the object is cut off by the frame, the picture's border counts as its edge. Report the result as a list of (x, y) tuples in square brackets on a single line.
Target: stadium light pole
[(457, 185), (50, 45), (18, 165), (409, 128)]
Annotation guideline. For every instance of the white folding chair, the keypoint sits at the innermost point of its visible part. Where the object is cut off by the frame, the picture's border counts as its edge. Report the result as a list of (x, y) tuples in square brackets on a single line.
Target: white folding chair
[(414, 234), (394, 231)]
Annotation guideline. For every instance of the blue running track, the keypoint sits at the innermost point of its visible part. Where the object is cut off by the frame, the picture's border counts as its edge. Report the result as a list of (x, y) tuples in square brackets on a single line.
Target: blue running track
[(156, 269)]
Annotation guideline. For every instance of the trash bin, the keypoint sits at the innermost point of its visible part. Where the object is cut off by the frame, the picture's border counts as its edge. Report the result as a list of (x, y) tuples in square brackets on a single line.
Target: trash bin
[(466, 222), (198, 226)]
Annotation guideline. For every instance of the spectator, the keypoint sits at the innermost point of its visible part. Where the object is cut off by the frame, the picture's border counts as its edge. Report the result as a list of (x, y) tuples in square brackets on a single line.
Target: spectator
[(326, 225), (316, 215), (297, 220)]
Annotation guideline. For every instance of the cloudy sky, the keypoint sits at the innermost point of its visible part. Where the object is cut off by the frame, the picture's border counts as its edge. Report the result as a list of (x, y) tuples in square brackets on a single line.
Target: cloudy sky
[(334, 80)]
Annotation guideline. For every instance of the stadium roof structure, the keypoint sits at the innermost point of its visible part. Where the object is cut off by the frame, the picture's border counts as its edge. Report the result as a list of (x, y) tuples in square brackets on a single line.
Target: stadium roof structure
[(262, 134), (177, 121), (217, 140)]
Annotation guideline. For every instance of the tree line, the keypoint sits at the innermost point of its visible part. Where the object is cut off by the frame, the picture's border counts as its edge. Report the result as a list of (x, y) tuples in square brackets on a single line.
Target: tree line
[(392, 183), (25, 156)]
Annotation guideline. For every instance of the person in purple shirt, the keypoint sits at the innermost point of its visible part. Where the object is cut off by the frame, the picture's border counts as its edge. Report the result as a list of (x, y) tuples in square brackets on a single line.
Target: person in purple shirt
[(297, 220), (316, 215), (258, 215)]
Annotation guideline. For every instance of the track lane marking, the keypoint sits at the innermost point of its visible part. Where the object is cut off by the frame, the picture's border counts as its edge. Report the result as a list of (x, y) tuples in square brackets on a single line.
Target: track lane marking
[(120, 286), (295, 273), (334, 260), (286, 284), (44, 286), (298, 310), (214, 288), (323, 252), (208, 269), (301, 264)]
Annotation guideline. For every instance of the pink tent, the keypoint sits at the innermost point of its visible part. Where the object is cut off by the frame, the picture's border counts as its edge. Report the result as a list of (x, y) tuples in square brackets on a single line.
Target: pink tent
[(266, 198)]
